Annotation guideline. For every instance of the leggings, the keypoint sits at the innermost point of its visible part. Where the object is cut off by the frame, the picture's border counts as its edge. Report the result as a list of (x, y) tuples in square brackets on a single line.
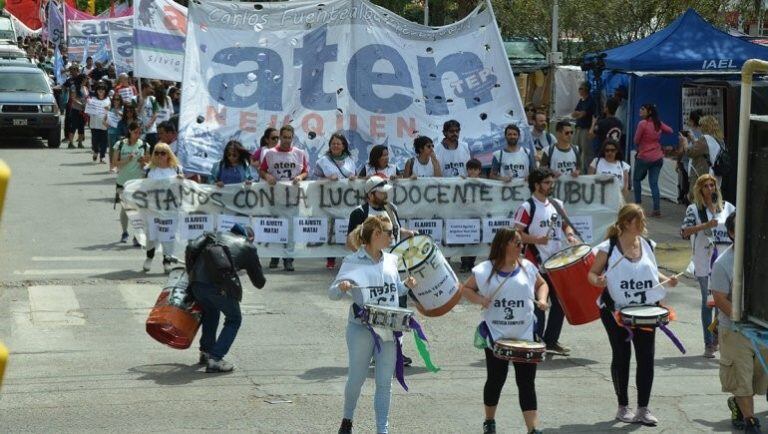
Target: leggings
[(525, 377), (645, 347)]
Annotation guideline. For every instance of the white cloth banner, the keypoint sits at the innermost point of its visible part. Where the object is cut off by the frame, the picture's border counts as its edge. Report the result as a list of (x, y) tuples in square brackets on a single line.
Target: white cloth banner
[(121, 44), (159, 34), (454, 207), (89, 38), (341, 65)]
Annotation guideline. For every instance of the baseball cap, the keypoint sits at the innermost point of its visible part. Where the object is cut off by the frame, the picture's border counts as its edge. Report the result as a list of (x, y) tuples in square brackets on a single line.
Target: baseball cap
[(377, 183)]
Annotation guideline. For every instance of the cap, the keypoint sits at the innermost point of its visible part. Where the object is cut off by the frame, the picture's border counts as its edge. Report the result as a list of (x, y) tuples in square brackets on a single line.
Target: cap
[(245, 231), (377, 183)]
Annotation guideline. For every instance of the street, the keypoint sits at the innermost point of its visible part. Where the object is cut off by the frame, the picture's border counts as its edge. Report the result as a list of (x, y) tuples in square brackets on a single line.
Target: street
[(73, 302)]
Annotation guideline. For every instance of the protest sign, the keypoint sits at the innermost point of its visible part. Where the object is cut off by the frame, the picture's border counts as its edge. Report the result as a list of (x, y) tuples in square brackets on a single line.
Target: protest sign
[(94, 107), (341, 65), (88, 38), (159, 34), (270, 210), (121, 44)]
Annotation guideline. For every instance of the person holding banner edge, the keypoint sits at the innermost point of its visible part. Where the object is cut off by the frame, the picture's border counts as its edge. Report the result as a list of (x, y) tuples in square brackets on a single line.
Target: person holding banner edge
[(369, 267), (545, 231)]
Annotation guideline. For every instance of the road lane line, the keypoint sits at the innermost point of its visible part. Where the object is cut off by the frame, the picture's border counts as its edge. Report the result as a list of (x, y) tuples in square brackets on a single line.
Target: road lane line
[(81, 258), (54, 305), (62, 271)]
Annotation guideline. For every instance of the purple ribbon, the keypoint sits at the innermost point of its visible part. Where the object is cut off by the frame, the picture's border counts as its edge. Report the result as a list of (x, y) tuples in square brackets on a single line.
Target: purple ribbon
[(713, 257), (362, 315), (414, 325), (485, 332), (672, 337), (399, 362), (630, 333)]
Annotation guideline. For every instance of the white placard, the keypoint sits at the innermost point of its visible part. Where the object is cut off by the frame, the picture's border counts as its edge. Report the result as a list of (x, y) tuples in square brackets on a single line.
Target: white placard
[(226, 221), (193, 225), (310, 230), (127, 93), (138, 225), (94, 107), (271, 230), (431, 227), (340, 227), (163, 229), (583, 224), (492, 225), (462, 231), (113, 119)]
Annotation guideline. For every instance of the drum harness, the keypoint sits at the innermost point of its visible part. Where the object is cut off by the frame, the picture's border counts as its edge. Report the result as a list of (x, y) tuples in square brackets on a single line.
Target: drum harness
[(609, 304)]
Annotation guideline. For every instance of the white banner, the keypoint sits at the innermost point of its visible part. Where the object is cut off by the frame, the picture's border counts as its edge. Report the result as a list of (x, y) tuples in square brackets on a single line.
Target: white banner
[(465, 211), (341, 65), (89, 38), (159, 32), (121, 43)]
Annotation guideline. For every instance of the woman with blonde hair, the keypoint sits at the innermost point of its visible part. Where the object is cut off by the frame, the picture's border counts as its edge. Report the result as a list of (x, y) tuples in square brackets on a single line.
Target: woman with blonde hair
[(163, 164), (705, 221), (369, 276), (702, 152), (626, 267)]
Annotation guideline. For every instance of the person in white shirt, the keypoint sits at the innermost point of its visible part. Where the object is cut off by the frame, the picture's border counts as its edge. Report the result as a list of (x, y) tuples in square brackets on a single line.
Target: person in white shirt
[(424, 164), (705, 221), (512, 162), (562, 157), (626, 266), (542, 139), (508, 287), (378, 164), (98, 124), (609, 161), (162, 165), (452, 153)]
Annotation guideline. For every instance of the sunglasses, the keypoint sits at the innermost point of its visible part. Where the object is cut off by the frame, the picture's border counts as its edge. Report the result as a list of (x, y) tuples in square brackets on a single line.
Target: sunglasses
[(161, 153)]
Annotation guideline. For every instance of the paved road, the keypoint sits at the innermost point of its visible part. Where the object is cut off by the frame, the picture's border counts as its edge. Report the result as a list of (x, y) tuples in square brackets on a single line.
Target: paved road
[(73, 303)]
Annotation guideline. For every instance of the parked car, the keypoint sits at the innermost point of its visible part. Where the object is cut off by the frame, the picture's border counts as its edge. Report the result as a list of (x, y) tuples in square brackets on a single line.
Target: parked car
[(10, 51), (7, 31), (27, 104)]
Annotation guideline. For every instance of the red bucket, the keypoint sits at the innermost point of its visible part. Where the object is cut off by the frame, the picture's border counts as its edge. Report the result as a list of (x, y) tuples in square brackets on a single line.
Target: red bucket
[(567, 270), (175, 319)]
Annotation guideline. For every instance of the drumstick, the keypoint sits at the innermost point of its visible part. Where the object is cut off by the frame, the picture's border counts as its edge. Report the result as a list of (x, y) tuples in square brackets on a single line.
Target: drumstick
[(621, 258), (667, 280)]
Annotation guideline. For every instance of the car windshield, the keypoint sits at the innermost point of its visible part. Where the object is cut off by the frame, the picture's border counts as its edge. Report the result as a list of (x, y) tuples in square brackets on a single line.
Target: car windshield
[(23, 82)]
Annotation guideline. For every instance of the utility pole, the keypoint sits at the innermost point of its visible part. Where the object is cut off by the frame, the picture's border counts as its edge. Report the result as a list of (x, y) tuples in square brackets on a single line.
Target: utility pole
[(554, 57), (426, 12)]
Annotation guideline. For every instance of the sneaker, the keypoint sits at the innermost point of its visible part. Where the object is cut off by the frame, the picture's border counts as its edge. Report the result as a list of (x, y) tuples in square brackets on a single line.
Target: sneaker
[(70, 146), (346, 427), (288, 264), (203, 360), (737, 418), (752, 425), (625, 414), (709, 352), (80, 144), (330, 263), (558, 348), (101, 161), (274, 262), (407, 361), (136, 242), (147, 264), (219, 366), (124, 237), (166, 264), (645, 417), (489, 426)]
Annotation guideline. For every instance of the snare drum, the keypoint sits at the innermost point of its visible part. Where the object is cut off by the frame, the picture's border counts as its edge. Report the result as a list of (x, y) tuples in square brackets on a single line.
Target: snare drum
[(649, 316), (391, 318), (519, 351), (568, 269), (437, 287)]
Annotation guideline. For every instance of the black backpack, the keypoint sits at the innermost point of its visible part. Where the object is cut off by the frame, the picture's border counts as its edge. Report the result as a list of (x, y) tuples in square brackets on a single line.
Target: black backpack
[(723, 162), (219, 265)]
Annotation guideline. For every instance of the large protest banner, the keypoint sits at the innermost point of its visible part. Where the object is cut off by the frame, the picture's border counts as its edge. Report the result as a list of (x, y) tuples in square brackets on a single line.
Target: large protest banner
[(121, 44), (88, 38), (310, 220), (160, 34), (55, 25), (341, 65)]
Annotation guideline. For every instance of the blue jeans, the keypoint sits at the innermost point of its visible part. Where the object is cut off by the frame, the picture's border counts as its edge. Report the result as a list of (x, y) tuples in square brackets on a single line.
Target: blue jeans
[(213, 304), (361, 349), (706, 312), (652, 169)]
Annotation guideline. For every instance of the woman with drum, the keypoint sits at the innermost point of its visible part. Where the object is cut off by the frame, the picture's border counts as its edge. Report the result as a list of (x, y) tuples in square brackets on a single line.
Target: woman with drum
[(505, 285), (625, 265), (705, 221), (369, 276)]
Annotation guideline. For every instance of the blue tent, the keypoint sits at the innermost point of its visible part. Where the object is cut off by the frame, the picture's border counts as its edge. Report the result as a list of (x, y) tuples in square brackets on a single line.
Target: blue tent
[(688, 44)]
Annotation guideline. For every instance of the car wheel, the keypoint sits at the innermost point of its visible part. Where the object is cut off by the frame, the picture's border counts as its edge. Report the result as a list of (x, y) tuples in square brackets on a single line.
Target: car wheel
[(54, 138)]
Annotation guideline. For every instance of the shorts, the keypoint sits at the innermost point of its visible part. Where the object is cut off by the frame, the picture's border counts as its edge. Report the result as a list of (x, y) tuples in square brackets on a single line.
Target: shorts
[(741, 372)]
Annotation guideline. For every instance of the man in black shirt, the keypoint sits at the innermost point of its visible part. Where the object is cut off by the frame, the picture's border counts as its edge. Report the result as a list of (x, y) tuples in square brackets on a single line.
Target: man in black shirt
[(609, 127), (583, 113)]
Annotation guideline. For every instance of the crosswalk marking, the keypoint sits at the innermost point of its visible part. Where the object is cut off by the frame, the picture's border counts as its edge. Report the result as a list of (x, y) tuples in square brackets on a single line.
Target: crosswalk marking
[(82, 258), (54, 305)]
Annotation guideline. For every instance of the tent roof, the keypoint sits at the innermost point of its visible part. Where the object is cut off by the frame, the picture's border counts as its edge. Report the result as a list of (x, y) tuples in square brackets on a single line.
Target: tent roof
[(688, 44)]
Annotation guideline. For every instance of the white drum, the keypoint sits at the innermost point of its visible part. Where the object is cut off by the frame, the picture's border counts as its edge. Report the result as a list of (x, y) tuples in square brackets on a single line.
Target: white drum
[(391, 318), (437, 287)]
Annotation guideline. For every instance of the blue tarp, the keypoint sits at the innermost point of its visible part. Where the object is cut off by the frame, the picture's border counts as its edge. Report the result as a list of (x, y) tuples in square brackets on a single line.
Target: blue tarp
[(688, 44)]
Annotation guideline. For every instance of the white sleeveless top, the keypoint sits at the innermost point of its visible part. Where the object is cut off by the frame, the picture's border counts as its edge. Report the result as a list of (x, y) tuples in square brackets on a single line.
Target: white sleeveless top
[(390, 170), (513, 164), (510, 315), (422, 170), (630, 283)]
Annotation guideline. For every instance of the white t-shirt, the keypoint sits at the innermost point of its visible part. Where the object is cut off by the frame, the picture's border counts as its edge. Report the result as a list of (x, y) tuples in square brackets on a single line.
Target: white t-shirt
[(163, 172), (422, 170), (630, 283), (510, 315), (545, 220), (165, 113), (146, 113), (284, 165), (543, 140), (710, 242), (603, 167), (452, 161), (512, 164), (562, 162), (98, 122), (326, 167), (390, 171)]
